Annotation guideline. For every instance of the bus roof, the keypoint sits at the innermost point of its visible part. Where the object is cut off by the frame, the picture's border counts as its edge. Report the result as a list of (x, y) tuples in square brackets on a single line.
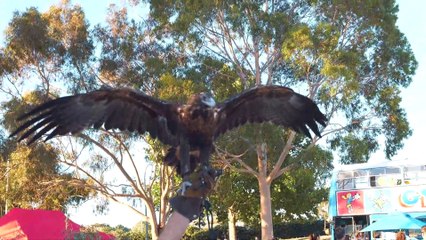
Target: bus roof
[(395, 163)]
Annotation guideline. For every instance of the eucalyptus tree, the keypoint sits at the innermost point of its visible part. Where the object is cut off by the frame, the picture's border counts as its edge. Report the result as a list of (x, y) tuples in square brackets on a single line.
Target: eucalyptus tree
[(349, 57), (53, 53)]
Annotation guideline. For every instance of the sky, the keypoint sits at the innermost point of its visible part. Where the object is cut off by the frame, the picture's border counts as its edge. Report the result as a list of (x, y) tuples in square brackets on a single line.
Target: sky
[(95, 12), (411, 17)]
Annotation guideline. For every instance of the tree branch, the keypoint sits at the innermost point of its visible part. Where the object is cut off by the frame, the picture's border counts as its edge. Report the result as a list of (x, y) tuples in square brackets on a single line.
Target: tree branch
[(276, 170), (226, 158)]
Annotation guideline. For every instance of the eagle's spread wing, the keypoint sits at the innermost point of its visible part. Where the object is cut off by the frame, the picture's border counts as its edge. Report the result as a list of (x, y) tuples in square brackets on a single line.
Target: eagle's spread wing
[(124, 109), (276, 104)]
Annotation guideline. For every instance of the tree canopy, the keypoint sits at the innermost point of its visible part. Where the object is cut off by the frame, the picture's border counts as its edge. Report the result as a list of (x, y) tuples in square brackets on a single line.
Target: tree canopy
[(350, 57)]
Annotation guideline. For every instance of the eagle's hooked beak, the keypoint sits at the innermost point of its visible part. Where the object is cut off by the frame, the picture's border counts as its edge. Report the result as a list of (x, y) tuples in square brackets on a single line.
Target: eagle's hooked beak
[(208, 100)]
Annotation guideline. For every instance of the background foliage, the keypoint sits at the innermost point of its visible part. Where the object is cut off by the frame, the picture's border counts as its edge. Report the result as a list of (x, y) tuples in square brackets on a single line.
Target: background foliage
[(349, 57)]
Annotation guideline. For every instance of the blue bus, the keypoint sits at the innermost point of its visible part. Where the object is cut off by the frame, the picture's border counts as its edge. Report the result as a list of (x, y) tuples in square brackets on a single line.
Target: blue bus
[(362, 193)]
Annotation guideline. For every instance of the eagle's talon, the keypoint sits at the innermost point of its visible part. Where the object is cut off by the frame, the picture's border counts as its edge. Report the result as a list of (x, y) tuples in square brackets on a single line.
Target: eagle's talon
[(184, 186)]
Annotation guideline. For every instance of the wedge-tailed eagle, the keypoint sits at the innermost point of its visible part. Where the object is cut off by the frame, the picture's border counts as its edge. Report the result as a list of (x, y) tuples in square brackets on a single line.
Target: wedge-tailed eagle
[(187, 128)]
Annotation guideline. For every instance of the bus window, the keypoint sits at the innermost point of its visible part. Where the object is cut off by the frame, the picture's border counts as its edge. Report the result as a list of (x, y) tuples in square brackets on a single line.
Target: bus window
[(352, 225), (415, 175), (361, 179), (385, 176), (345, 180), (392, 170)]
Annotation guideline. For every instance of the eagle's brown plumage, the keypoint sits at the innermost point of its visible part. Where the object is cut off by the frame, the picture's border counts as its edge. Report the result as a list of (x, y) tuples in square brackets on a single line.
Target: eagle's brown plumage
[(187, 127)]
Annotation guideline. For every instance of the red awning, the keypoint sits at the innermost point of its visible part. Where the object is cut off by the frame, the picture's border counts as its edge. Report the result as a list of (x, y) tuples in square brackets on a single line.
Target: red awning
[(39, 224)]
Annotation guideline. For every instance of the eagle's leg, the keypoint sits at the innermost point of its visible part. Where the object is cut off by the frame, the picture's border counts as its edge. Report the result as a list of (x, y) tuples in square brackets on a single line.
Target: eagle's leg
[(184, 166), (206, 169), (208, 175), (204, 158)]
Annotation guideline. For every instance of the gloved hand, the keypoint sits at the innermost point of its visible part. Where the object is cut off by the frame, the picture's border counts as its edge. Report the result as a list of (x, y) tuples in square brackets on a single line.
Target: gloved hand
[(203, 182), (190, 203)]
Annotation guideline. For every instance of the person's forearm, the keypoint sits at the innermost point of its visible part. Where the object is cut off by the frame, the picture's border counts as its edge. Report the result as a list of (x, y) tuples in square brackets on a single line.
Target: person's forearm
[(175, 227), (187, 205)]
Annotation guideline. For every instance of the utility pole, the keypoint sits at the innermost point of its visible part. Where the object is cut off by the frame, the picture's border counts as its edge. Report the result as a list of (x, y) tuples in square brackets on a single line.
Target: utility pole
[(146, 223), (146, 207), (7, 187)]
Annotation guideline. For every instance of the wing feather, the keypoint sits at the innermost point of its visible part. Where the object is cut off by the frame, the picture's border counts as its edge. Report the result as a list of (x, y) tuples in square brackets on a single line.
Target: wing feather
[(52, 134), (276, 104), (39, 125), (44, 130), (127, 117), (134, 121), (123, 109), (114, 116)]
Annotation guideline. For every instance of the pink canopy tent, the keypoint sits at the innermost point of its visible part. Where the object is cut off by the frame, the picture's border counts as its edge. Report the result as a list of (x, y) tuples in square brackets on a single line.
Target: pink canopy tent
[(40, 224)]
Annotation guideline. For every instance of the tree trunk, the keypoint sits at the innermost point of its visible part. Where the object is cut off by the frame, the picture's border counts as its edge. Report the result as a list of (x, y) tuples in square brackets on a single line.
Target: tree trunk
[(165, 186), (152, 220), (231, 224), (265, 194), (154, 230), (265, 209), (164, 195)]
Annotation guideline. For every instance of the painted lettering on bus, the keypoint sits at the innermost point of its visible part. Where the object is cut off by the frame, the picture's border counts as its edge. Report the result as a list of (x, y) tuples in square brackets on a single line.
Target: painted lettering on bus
[(411, 198)]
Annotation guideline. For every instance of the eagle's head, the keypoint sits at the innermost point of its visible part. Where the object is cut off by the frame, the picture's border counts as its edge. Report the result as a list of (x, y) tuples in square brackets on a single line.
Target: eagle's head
[(203, 98)]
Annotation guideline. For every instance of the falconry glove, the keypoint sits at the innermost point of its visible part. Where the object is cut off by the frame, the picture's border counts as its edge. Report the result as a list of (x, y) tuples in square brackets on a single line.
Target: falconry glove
[(189, 203)]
